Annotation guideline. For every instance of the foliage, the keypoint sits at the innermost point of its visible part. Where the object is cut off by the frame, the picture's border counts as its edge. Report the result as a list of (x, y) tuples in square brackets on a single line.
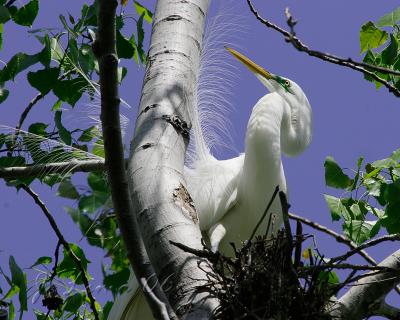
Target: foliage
[(373, 192), (64, 71), (380, 43)]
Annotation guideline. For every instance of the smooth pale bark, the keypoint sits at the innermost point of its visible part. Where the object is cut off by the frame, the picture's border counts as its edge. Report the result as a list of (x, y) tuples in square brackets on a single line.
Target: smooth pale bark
[(164, 209), (368, 293)]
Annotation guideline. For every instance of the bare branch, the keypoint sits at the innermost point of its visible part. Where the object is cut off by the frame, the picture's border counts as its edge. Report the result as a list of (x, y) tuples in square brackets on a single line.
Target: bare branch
[(104, 49), (66, 245), (338, 237), (346, 62), (52, 168), (367, 244)]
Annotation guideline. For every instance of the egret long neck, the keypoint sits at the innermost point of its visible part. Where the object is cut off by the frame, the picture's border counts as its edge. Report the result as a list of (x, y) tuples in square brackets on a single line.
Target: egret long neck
[(262, 169)]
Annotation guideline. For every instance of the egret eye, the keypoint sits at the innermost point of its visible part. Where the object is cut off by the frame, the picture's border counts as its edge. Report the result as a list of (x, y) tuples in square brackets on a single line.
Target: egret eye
[(287, 83)]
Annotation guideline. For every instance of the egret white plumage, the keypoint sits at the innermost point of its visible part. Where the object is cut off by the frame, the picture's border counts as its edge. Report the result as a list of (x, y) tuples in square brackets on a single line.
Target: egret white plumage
[(231, 195)]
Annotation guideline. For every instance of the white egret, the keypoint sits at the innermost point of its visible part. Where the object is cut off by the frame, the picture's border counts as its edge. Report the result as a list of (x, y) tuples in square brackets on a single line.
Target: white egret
[(231, 195)]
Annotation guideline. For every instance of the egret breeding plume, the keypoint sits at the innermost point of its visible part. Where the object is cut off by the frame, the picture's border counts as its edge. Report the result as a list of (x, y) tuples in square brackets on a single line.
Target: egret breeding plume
[(231, 195)]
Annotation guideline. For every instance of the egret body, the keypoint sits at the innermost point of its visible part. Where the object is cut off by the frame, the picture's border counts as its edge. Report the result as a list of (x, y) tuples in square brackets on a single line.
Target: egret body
[(231, 195)]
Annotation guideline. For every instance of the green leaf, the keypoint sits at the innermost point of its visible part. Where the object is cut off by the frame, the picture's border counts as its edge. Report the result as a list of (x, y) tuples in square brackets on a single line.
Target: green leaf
[(359, 230), (125, 49), (329, 277), (89, 134), (43, 80), (45, 55), (392, 192), (19, 278), (98, 148), (18, 63), (390, 19), (67, 190), (391, 221), (90, 203), (97, 182), (122, 71), (26, 14), (4, 14), (337, 208), (56, 106), (68, 267), (115, 281), (371, 37), (41, 260), (70, 91), (65, 135), (140, 34), (106, 309), (334, 176), (3, 94), (141, 10), (38, 128), (389, 54), (74, 302)]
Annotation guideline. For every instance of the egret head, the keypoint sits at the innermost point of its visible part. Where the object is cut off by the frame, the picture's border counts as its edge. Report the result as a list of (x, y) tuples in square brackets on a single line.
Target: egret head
[(296, 133), (288, 89)]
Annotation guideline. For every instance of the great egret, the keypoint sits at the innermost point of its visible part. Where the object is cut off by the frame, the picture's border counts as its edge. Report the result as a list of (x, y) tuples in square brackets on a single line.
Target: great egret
[(231, 195)]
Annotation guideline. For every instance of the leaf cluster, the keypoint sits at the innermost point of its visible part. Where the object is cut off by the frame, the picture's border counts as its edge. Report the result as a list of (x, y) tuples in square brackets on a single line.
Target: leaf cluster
[(380, 43), (371, 192)]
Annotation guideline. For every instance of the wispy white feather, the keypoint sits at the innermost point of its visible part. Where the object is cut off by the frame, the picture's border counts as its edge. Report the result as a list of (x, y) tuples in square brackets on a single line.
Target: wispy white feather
[(211, 127)]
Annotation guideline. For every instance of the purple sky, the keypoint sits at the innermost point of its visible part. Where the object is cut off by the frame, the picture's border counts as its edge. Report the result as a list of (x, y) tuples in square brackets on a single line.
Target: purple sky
[(351, 118)]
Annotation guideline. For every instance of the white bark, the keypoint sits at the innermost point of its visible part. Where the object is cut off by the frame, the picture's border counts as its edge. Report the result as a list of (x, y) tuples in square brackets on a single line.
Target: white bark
[(164, 209), (366, 295)]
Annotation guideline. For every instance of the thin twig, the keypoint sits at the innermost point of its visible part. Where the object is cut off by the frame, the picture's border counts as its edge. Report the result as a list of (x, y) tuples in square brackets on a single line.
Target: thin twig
[(367, 244), (349, 63), (338, 237), (285, 214), (56, 255), (66, 245), (265, 213)]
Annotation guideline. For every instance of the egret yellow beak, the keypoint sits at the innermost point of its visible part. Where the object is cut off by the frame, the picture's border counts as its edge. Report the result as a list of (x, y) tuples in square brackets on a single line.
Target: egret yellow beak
[(253, 67)]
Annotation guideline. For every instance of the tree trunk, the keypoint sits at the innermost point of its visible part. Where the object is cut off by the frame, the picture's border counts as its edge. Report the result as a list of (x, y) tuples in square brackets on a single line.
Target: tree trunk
[(164, 209)]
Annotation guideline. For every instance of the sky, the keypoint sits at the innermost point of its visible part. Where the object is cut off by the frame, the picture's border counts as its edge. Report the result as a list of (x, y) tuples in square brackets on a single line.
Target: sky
[(351, 118)]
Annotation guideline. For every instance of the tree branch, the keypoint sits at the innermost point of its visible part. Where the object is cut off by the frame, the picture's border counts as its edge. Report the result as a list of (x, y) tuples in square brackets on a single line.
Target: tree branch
[(338, 237), (361, 298), (66, 245), (52, 168), (367, 244), (349, 63), (104, 49)]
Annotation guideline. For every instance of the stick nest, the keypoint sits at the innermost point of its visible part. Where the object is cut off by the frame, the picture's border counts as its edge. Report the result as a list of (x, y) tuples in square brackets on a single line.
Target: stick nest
[(264, 281)]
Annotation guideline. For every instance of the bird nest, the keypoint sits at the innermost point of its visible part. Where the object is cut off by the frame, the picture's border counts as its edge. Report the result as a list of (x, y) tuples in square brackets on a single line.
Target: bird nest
[(264, 281), (270, 278)]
